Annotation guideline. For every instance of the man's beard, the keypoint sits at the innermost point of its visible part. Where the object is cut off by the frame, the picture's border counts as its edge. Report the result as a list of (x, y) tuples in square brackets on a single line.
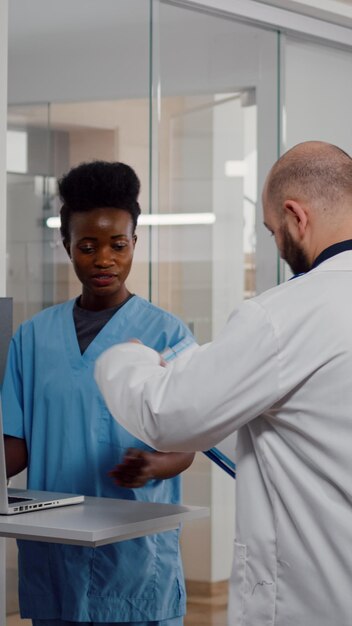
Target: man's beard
[(293, 254)]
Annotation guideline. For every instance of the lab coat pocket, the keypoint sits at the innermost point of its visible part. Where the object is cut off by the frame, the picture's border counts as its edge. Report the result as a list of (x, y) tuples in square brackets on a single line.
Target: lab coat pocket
[(238, 583)]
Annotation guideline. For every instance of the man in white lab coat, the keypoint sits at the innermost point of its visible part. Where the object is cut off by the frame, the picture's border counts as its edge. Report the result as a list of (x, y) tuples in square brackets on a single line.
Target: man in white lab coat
[(281, 374)]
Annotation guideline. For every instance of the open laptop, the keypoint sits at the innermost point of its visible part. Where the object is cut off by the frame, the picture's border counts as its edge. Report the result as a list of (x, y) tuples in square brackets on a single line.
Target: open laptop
[(14, 501)]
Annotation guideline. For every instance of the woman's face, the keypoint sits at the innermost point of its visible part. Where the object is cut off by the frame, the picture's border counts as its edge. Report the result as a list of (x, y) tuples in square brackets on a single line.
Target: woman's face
[(101, 249)]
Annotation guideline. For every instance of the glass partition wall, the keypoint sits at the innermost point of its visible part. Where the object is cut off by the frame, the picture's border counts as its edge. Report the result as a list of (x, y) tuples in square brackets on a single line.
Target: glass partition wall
[(190, 100), (193, 132)]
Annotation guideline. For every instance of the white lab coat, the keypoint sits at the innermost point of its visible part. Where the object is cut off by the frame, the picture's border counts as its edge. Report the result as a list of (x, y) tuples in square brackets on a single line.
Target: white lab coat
[(281, 373)]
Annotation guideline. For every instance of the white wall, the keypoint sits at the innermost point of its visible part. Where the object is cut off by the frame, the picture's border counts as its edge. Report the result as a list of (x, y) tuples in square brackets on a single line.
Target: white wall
[(318, 94)]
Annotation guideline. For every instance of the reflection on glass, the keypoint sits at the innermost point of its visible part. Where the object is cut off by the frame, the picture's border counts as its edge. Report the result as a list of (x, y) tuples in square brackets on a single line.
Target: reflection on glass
[(208, 164), (215, 92), (206, 270), (17, 151)]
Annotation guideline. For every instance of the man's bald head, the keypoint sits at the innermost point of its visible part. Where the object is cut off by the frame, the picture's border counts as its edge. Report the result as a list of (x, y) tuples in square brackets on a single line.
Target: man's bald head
[(307, 201), (314, 172)]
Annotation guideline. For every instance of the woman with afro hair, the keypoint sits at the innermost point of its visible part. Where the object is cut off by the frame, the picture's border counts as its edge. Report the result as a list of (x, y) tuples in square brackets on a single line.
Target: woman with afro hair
[(59, 427)]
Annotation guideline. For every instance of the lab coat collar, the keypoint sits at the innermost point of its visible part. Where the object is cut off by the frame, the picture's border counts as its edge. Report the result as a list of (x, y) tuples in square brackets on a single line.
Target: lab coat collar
[(330, 251), (336, 248)]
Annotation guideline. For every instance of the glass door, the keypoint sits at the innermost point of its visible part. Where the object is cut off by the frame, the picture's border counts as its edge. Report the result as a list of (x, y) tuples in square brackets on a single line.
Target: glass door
[(215, 115)]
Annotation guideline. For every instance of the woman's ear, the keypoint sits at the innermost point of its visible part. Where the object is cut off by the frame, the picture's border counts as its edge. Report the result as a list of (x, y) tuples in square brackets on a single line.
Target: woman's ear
[(67, 247), (297, 216), (134, 239)]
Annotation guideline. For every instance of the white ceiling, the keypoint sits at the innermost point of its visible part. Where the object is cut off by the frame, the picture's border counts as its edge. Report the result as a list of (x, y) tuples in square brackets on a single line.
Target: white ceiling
[(34, 20), (334, 11), (72, 50)]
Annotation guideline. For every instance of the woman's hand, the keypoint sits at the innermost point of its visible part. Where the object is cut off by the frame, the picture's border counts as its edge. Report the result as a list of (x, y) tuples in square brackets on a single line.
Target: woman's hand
[(140, 466), (135, 470)]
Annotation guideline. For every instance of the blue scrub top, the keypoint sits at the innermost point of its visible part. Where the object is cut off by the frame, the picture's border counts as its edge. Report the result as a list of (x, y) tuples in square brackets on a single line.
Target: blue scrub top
[(50, 398)]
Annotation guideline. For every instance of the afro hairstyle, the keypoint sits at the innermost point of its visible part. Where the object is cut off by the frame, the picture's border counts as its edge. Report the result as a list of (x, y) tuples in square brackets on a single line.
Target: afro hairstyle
[(96, 185)]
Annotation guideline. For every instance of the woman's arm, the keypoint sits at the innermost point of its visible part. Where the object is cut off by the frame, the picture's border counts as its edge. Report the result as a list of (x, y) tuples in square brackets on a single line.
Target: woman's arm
[(16, 455), (140, 466)]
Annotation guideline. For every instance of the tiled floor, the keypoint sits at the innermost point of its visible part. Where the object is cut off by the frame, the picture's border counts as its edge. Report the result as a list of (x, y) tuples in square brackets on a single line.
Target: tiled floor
[(209, 613), (15, 620)]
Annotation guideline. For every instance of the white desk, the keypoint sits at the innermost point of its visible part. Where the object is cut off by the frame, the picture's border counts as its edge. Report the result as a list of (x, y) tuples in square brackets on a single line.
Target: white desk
[(95, 522)]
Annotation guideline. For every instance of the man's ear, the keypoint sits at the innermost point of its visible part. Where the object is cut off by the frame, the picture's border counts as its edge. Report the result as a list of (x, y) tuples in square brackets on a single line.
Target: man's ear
[(134, 239), (296, 215)]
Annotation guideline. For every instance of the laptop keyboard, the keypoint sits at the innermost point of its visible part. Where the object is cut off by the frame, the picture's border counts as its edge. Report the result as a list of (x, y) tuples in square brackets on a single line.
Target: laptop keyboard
[(13, 499)]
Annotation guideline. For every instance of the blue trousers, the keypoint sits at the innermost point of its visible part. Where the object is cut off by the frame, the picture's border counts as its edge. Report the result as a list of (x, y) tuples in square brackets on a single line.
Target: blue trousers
[(175, 621)]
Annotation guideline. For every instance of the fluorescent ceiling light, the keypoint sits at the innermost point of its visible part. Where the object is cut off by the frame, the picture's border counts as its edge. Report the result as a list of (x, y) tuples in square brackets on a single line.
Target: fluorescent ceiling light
[(175, 219), (159, 219), (53, 222)]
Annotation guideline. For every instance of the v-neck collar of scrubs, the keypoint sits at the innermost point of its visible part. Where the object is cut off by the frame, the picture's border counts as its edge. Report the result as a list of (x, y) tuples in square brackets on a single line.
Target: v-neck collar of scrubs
[(99, 343)]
